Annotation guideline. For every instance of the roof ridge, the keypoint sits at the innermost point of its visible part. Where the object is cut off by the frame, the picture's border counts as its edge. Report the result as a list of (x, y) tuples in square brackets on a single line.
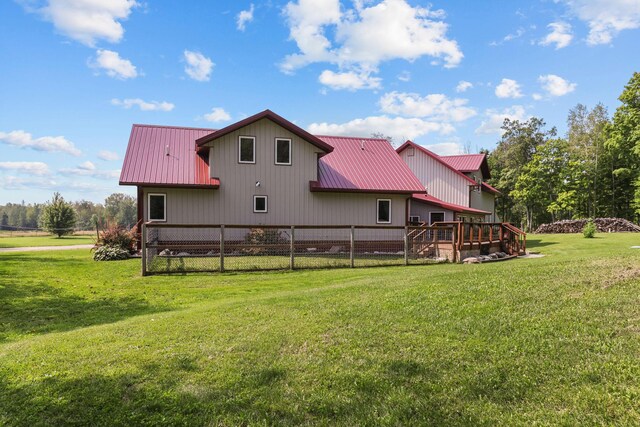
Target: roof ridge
[(171, 127), (351, 137)]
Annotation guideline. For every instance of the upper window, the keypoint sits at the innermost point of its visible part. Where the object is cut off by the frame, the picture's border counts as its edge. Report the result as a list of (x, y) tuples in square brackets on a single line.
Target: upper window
[(283, 151), (259, 204), (247, 149), (157, 207), (411, 151), (384, 211)]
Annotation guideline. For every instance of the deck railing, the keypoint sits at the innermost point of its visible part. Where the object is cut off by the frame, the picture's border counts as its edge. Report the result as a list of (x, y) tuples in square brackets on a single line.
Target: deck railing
[(477, 235)]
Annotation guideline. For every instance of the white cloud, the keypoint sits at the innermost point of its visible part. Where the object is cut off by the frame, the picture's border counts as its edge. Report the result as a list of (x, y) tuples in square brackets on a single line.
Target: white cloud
[(22, 139), (556, 85), (463, 86), (244, 17), (404, 76), (446, 148), (435, 106), (217, 114), (89, 166), (87, 20), (365, 36), (20, 183), (537, 97), (349, 80), (560, 35), (606, 18), (143, 105), (399, 128), (108, 155), (508, 89), (494, 119), (198, 66), (88, 169), (29, 168), (511, 36), (114, 65)]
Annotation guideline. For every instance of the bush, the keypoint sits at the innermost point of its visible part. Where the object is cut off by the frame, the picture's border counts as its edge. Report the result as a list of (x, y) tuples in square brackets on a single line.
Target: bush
[(264, 236), (58, 216), (118, 236), (589, 229), (110, 253)]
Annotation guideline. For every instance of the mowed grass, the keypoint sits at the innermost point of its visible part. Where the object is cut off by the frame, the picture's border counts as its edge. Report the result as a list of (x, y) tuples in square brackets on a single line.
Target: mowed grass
[(553, 340), (27, 241)]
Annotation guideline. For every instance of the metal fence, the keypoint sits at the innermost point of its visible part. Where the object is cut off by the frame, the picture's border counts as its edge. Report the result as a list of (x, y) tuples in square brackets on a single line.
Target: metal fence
[(177, 248)]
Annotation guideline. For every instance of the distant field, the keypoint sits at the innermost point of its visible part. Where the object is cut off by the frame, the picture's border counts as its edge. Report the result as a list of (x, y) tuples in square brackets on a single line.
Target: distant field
[(546, 341), (25, 241)]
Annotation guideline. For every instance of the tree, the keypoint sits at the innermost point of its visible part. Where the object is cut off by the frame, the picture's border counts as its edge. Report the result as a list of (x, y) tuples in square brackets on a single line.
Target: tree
[(58, 216), (121, 209), (4, 221)]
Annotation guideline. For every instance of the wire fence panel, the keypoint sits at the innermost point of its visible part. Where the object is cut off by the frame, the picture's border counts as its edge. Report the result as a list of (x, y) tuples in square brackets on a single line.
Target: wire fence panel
[(172, 248)]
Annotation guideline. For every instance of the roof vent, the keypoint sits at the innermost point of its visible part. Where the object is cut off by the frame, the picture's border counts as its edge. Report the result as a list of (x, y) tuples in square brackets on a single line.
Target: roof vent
[(166, 150), (362, 144)]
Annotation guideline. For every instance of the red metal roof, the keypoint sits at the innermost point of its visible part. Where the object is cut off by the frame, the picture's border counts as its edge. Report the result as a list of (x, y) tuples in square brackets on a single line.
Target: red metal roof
[(469, 163), (434, 156), (490, 189), (146, 161), (364, 165), (425, 198)]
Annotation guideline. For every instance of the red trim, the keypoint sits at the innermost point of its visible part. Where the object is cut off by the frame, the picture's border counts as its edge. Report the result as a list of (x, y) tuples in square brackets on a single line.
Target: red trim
[(267, 114), (314, 187), (486, 187), (215, 184), (435, 157), (424, 198)]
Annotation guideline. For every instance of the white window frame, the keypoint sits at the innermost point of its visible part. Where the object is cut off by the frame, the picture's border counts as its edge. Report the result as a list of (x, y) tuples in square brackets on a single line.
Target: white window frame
[(414, 216), (266, 204), (164, 196), (275, 151), (252, 138), (444, 216), (378, 211)]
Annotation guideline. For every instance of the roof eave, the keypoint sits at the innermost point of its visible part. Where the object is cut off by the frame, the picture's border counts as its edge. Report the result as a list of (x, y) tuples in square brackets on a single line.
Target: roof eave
[(315, 187)]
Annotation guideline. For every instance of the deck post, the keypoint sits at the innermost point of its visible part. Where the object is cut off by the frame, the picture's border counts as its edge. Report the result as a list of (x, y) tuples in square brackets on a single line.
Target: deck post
[(222, 248), (143, 236), (453, 245), (352, 246), (406, 245), (292, 248)]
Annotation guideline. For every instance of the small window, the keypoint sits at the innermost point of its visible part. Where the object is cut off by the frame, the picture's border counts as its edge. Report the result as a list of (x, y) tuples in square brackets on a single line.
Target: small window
[(411, 151), (414, 219), (259, 204), (157, 207), (283, 151), (384, 211), (247, 149)]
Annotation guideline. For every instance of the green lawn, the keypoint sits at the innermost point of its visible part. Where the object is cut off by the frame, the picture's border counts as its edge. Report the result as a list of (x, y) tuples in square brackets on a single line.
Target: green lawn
[(22, 242), (547, 341)]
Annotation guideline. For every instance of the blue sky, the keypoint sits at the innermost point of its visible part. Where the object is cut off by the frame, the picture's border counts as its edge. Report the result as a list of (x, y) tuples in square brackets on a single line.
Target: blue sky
[(75, 74)]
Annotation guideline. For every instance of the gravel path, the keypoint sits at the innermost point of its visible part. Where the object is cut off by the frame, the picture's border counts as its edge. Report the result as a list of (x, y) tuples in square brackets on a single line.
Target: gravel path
[(45, 248)]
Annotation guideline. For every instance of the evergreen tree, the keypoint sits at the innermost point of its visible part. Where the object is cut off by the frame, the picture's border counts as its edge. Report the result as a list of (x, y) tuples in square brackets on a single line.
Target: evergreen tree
[(58, 216)]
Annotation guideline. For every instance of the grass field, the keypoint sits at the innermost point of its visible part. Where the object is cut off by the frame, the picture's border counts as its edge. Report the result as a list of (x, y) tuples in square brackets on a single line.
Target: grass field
[(552, 340), (26, 241)]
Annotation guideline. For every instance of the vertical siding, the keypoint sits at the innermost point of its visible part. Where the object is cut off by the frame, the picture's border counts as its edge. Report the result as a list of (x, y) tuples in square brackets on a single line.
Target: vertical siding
[(486, 202), (440, 181), (423, 210)]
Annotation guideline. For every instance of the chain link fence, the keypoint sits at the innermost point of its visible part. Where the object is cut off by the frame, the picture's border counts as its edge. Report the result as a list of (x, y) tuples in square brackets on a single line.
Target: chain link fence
[(173, 248)]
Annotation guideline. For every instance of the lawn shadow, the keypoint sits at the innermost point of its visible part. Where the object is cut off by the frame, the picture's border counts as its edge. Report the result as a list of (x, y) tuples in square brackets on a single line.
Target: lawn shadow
[(533, 243)]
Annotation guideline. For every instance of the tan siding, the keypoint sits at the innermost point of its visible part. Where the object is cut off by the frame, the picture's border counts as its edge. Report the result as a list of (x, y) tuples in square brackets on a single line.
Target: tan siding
[(440, 181), (423, 210), (486, 202)]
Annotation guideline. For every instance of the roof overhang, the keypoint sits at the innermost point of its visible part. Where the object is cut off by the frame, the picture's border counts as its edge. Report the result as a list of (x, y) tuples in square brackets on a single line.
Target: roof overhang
[(315, 187), (215, 184), (422, 198)]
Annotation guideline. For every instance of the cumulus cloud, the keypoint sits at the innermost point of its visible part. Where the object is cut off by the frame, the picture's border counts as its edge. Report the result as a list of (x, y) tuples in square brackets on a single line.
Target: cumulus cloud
[(244, 17), (359, 39), (22, 139), (606, 18), (493, 119), (560, 35), (87, 21), (21, 183), (508, 89), (556, 85), (349, 80), (399, 128), (108, 156), (434, 106), (114, 65), (28, 168), (217, 114), (463, 86), (446, 148), (198, 66), (88, 169), (143, 105), (511, 36)]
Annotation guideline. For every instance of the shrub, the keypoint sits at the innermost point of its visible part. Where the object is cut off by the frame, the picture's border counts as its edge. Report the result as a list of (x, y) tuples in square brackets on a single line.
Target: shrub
[(110, 253), (589, 229), (58, 216), (264, 236), (118, 236)]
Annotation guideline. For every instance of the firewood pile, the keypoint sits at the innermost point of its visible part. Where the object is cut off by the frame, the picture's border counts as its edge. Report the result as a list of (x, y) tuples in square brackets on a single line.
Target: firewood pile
[(604, 225)]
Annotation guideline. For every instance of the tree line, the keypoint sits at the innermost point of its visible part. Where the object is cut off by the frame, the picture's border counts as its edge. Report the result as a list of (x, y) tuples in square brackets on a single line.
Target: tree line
[(117, 209), (592, 171)]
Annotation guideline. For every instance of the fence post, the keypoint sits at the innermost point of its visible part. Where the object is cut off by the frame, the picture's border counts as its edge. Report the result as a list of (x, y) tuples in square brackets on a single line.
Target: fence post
[(292, 248), (222, 248), (406, 245), (143, 236), (453, 245), (352, 246)]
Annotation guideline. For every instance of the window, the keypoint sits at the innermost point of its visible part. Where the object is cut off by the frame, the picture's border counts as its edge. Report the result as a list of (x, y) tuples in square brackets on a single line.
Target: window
[(157, 207), (384, 211), (436, 217), (411, 151), (259, 204), (247, 149), (414, 219), (283, 151)]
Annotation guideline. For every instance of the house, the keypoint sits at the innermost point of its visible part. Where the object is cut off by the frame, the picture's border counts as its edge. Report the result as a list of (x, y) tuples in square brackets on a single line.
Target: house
[(456, 187), (265, 170)]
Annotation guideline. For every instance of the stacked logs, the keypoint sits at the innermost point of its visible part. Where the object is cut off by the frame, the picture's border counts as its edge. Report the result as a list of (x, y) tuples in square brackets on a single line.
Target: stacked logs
[(604, 225)]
